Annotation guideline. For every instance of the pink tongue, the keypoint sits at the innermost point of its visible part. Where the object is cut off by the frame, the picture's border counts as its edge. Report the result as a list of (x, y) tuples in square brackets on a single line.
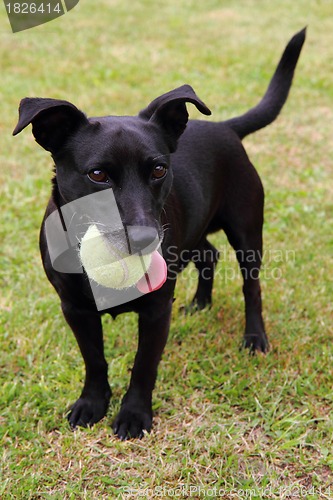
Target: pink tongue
[(155, 276)]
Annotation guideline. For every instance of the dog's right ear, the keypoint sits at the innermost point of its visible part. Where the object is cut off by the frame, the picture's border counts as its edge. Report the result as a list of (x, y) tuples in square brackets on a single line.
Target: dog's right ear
[(169, 111), (53, 121)]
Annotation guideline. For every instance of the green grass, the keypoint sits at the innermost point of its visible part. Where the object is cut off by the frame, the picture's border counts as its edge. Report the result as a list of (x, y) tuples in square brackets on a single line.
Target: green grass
[(258, 426)]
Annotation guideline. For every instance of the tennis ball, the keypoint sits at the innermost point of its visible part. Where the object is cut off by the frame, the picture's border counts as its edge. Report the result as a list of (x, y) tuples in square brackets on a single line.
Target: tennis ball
[(107, 265)]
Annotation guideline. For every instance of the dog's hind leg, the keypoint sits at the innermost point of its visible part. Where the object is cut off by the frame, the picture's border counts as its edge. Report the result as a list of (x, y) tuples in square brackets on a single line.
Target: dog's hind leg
[(242, 222), (248, 247), (204, 259)]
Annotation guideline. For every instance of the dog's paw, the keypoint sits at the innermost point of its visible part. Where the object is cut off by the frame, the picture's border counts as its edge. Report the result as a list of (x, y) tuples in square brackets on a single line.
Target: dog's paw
[(196, 305), (256, 342), (86, 411), (131, 423)]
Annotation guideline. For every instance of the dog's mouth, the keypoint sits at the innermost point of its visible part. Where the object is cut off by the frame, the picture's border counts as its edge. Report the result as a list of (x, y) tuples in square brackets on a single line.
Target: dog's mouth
[(124, 259), (155, 276)]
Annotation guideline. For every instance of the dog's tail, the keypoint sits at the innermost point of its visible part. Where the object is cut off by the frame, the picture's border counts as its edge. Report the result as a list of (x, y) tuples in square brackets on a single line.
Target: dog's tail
[(276, 95)]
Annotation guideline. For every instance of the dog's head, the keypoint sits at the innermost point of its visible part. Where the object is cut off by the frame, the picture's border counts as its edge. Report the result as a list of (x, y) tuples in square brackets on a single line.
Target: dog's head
[(129, 154)]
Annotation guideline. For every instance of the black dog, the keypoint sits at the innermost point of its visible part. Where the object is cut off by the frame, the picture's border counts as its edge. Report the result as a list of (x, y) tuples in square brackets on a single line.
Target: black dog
[(189, 178)]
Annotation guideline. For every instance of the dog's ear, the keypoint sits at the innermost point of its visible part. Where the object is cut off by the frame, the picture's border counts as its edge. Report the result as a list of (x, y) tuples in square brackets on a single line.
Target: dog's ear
[(52, 120), (169, 111)]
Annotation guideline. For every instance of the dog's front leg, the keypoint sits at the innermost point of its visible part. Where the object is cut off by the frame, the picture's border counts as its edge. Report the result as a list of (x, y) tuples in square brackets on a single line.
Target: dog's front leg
[(94, 400), (135, 414)]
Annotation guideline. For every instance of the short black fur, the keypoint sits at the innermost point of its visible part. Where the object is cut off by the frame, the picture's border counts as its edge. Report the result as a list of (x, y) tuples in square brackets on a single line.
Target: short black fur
[(210, 185)]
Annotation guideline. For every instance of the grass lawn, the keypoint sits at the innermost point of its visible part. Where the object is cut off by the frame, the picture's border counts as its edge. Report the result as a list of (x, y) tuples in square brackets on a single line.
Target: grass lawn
[(226, 425)]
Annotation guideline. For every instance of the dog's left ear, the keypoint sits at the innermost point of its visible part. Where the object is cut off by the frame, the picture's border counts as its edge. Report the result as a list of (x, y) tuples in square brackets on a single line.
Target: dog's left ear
[(169, 111), (53, 121)]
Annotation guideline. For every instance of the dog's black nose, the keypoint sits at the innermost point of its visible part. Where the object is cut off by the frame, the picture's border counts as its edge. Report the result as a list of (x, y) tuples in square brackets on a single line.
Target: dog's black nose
[(142, 239)]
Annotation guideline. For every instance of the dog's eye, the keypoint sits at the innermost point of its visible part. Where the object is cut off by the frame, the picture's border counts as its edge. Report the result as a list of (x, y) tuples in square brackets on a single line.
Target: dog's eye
[(98, 176), (159, 172)]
